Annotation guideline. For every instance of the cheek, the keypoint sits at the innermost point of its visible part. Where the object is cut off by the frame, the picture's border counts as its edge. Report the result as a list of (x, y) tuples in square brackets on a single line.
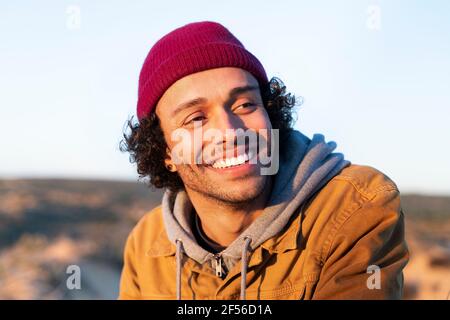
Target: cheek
[(187, 148), (258, 120), (261, 124)]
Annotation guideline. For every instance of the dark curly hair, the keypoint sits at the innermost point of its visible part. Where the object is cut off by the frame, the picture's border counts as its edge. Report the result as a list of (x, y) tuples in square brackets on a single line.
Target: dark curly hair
[(147, 147)]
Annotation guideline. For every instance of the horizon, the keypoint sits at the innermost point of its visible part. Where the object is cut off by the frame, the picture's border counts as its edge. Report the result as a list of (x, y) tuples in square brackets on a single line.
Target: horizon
[(88, 179)]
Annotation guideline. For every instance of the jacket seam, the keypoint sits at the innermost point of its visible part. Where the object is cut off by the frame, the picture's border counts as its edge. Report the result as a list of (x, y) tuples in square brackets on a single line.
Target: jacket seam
[(276, 292), (335, 228), (347, 213), (335, 231), (365, 193)]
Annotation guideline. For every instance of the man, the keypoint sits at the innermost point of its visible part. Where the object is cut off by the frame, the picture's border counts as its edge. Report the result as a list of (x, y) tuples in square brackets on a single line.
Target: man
[(307, 224)]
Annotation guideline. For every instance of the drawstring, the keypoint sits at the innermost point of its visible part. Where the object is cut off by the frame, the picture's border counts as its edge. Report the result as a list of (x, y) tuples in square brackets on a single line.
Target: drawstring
[(247, 242), (178, 257)]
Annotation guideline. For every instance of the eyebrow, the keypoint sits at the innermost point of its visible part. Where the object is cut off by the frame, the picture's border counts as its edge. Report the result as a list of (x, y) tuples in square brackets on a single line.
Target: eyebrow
[(200, 100)]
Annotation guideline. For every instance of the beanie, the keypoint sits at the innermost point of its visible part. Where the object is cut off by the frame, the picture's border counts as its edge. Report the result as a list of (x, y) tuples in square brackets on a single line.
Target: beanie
[(192, 48)]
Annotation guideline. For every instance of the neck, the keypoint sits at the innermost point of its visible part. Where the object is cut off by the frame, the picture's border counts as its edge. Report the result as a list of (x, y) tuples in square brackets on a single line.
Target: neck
[(223, 222)]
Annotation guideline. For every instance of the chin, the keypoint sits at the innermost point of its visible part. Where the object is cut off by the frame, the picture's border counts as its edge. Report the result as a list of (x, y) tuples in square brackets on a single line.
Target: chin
[(236, 192), (231, 191)]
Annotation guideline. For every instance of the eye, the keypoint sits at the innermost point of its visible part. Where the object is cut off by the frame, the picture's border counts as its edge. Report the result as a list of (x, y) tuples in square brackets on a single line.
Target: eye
[(248, 106), (193, 119)]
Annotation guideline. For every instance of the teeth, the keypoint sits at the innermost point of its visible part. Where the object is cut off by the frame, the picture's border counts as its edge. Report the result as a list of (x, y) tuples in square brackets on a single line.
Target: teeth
[(249, 156), (229, 162)]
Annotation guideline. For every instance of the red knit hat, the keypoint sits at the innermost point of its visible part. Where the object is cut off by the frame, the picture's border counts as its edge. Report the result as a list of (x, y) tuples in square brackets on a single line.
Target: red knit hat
[(191, 48)]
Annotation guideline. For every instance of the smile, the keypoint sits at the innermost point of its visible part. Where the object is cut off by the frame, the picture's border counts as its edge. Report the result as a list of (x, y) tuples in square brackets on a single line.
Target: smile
[(233, 161)]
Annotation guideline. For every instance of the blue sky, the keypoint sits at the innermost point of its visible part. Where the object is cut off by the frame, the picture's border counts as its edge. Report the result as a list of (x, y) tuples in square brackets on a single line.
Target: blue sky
[(374, 76)]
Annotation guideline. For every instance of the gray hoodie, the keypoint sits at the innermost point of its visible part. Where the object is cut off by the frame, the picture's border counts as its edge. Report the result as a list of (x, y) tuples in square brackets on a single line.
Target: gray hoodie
[(305, 166)]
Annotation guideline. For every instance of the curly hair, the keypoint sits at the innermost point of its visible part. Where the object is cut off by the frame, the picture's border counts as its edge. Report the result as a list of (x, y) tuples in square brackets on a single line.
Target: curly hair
[(147, 146)]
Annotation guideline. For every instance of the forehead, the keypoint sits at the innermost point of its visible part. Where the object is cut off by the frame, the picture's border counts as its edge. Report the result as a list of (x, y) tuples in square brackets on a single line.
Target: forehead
[(211, 84)]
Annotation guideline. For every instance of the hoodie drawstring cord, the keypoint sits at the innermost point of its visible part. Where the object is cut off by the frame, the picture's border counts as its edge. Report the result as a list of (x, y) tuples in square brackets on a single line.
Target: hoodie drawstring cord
[(178, 258), (244, 261)]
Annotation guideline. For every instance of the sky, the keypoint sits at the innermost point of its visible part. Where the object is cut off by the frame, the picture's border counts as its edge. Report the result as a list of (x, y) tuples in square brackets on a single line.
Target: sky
[(374, 77)]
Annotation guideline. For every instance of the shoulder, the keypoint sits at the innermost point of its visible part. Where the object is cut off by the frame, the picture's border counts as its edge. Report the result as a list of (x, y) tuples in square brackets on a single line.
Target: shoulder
[(365, 180), (361, 188), (348, 190), (356, 221), (355, 189)]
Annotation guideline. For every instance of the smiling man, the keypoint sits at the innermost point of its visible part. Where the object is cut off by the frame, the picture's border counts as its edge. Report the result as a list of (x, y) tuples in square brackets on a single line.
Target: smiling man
[(252, 208)]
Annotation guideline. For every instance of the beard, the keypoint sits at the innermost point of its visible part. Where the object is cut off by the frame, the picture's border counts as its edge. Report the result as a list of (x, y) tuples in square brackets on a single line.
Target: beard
[(233, 192)]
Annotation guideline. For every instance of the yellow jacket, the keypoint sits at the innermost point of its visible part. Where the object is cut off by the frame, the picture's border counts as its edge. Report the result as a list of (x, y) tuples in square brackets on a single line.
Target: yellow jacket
[(345, 242)]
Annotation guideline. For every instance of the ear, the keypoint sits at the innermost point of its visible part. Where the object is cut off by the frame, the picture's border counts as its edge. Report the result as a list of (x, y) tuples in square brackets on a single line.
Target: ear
[(168, 162)]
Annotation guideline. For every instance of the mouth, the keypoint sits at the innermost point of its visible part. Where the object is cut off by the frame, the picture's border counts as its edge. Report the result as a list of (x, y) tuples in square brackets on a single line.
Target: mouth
[(232, 162)]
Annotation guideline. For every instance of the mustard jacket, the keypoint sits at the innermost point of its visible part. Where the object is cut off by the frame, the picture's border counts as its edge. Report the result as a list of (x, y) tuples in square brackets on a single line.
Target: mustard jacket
[(345, 242)]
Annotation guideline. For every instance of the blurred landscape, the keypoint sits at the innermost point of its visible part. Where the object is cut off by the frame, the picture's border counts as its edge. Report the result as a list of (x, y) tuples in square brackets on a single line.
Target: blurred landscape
[(47, 225)]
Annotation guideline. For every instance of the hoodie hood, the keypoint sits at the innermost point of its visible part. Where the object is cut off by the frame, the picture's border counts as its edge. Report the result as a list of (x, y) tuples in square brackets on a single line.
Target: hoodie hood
[(305, 165)]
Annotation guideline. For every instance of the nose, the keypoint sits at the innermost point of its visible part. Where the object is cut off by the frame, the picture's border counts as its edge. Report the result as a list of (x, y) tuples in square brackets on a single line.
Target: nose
[(227, 123)]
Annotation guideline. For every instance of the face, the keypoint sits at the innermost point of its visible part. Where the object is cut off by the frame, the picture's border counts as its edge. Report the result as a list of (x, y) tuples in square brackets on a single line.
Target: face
[(208, 107)]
